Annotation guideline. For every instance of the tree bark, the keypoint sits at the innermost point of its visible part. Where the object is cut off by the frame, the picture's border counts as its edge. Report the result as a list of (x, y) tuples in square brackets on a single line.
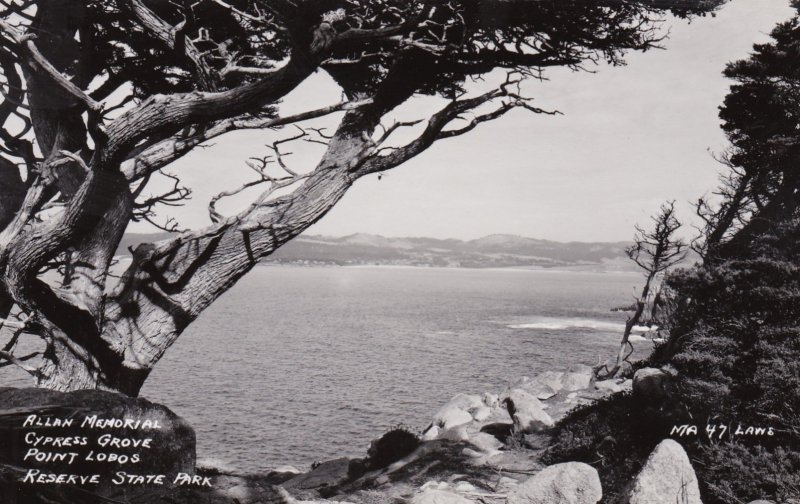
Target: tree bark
[(12, 191), (12, 194), (55, 115), (65, 370)]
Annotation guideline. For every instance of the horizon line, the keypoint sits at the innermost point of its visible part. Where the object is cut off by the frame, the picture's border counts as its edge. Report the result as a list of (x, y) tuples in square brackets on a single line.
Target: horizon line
[(408, 237)]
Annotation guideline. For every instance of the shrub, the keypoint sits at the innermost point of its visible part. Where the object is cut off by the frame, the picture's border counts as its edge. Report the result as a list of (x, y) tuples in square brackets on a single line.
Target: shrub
[(391, 447), (614, 435), (395, 444), (735, 341), (732, 472)]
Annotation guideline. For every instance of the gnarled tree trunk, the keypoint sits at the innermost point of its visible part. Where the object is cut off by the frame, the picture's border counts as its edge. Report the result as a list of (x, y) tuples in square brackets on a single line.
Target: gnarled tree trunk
[(170, 283), (84, 169)]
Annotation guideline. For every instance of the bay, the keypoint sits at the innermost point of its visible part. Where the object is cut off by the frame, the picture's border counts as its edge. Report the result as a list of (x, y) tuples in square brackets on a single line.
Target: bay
[(302, 364)]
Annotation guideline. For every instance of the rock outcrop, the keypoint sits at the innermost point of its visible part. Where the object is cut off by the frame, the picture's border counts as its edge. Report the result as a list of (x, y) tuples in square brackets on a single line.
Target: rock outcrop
[(86, 438), (527, 412), (434, 496), (666, 478), (578, 379), (446, 466), (568, 483), (613, 386), (459, 411), (528, 406), (651, 384), (329, 473), (465, 436), (92, 414)]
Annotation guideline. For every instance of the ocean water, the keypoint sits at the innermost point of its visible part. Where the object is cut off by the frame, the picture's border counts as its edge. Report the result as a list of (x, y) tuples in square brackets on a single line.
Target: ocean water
[(302, 364)]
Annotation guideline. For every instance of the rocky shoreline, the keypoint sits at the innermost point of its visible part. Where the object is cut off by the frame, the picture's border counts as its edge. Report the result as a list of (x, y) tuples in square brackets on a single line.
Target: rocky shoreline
[(478, 449)]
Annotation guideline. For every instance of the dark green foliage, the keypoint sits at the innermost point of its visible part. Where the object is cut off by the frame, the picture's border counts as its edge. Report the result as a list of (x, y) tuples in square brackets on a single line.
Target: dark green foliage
[(127, 52), (735, 337), (481, 36), (391, 447), (737, 348), (736, 345), (397, 443), (735, 318), (734, 471), (761, 117), (513, 34), (738, 342), (614, 435), (762, 110)]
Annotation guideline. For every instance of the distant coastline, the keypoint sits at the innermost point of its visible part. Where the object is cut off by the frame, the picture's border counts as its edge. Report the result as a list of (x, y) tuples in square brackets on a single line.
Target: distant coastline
[(497, 251), (510, 269)]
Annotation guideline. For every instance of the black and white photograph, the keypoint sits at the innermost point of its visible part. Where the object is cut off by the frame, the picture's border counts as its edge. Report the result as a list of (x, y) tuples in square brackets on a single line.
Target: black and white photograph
[(399, 252)]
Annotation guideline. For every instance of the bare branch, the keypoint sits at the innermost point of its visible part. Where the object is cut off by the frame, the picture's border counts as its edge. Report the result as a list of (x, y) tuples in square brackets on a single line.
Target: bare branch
[(177, 195), (37, 61), (441, 119), (174, 38), (240, 13), (260, 166), (163, 153), (234, 68), (20, 362), (12, 324), (654, 251)]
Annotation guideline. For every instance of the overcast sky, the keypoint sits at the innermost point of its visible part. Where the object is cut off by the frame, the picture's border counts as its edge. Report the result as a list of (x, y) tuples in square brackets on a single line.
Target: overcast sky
[(630, 138)]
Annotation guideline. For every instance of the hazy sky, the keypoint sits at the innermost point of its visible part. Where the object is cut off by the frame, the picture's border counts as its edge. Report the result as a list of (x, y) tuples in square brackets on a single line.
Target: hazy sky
[(630, 138)]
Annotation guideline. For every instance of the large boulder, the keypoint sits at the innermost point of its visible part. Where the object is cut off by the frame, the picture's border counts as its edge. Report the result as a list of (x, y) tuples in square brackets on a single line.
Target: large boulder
[(666, 478), (568, 483), (435, 496), (91, 432), (465, 415), (490, 400), (527, 412), (545, 384), (608, 386), (579, 378), (460, 410), (548, 384), (651, 383), (431, 433), (452, 418), (457, 434), (481, 413), (486, 443), (464, 402)]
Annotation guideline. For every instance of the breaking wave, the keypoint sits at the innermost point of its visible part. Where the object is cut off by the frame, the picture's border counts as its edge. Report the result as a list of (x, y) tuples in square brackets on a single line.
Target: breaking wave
[(560, 324)]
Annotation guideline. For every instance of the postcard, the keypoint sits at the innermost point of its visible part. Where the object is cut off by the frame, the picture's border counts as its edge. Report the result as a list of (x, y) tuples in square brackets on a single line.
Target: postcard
[(399, 251)]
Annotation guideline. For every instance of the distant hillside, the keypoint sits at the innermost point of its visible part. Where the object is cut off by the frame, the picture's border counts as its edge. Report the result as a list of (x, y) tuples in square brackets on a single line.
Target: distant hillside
[(494, 251)]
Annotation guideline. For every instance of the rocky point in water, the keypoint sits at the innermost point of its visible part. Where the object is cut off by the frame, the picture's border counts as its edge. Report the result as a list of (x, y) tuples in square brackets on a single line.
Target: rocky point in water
[(477, 449)]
